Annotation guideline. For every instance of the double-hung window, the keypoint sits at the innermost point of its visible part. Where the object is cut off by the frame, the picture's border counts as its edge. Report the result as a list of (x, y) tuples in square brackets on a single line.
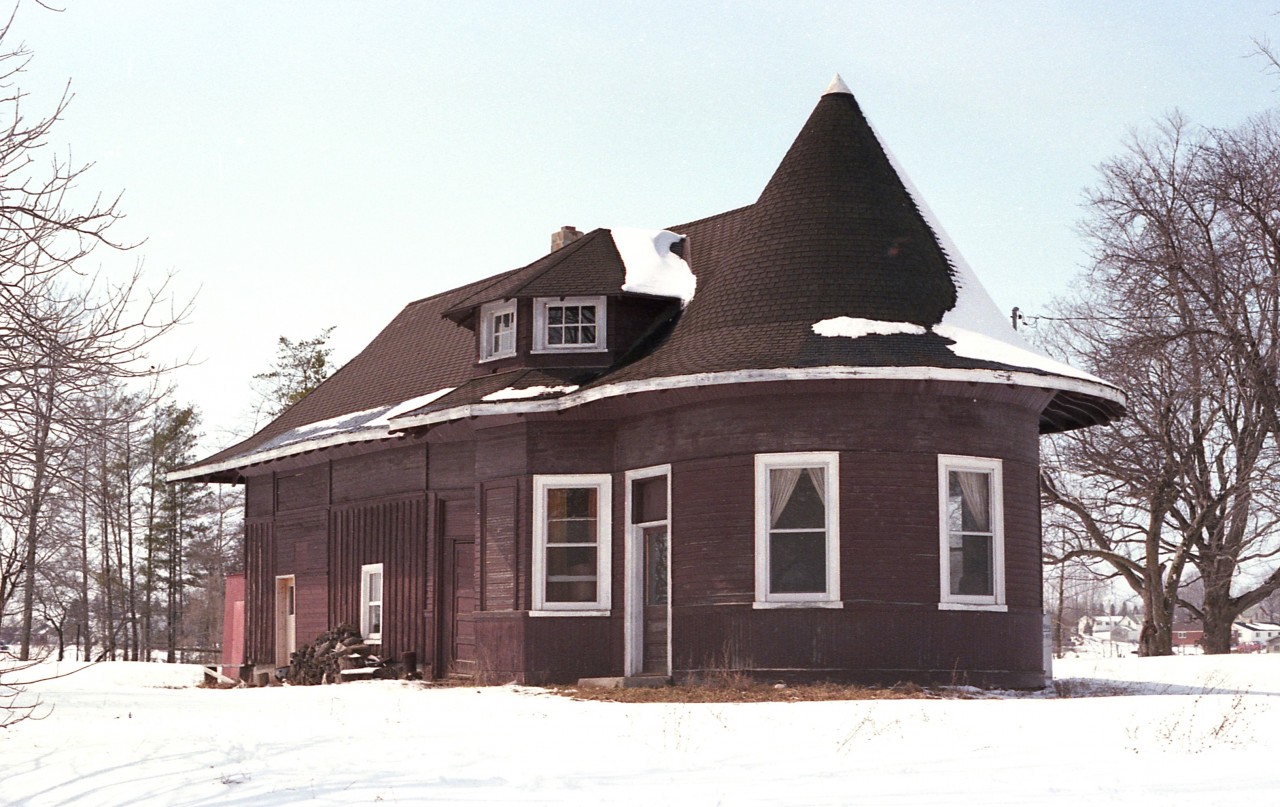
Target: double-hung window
[(797, 530), (571, 543), (569, 324), (371, 602), (971, 515), (497, 330)]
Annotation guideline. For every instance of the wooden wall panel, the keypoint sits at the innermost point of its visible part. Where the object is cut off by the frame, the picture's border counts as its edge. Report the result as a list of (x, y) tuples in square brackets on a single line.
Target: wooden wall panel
[(451, 465), (308, 487), (501, 452), (259, 496), (713, 531), (301, 550), (386, 473), (570, 447), (394, 534), (498, 553), (882, 644), (260, 581), (889, 527)]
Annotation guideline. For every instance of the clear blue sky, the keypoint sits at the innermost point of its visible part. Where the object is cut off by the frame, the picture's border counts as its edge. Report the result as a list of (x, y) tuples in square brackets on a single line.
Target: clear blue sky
[(310, 164)]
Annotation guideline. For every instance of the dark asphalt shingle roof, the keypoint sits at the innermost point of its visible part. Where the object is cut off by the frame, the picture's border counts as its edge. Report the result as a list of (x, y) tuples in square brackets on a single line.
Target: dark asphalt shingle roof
[(835, 233)]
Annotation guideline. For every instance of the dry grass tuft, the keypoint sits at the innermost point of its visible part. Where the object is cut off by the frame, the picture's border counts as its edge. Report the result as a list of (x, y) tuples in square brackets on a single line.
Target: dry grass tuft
[(747, 692)]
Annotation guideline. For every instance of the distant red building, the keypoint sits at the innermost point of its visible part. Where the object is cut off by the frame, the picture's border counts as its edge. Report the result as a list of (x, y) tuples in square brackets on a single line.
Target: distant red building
[(233, 626), (1187, 634)]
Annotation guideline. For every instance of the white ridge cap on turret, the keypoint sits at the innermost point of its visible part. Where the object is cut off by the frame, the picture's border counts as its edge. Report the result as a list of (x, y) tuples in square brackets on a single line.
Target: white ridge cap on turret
[(837, 85)]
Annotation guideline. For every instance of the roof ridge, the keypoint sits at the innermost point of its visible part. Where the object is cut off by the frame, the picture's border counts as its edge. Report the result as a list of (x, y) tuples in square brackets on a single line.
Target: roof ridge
[(713, 217)]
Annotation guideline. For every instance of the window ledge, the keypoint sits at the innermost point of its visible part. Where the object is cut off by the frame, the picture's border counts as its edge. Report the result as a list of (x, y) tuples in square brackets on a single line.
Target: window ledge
[(760, 605), (571, 613), (972, 606), (544, 351)]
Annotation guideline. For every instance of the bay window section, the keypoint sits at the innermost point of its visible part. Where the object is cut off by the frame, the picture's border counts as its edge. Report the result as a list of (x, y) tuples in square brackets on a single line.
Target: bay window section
[(797, 530), (971, 508), (571, 537)]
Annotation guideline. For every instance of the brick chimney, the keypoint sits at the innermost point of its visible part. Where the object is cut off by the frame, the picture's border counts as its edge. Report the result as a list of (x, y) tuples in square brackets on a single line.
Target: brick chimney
[(563, 237)]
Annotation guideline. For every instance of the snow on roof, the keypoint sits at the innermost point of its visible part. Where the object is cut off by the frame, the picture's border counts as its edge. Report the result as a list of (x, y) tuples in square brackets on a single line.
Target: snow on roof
[(854, 327), (651, 266), (511, 394), (978, 328), (367, 424), (837, 85)]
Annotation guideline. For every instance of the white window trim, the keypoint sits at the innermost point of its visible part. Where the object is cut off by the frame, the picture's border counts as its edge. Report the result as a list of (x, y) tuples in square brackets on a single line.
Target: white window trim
[(830, 460), (970, 602), (487, 313), (365, 571), (540, 324), (603, 483), (633, 627)]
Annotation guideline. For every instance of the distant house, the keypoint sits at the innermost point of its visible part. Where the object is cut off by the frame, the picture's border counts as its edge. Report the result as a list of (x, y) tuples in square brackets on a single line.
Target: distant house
[(1253, 637), (1110, 627), (1187, 634), (795, 439)]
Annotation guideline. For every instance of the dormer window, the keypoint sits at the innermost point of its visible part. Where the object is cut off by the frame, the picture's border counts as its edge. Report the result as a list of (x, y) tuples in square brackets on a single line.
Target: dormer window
[(569, 324), (497, 330)]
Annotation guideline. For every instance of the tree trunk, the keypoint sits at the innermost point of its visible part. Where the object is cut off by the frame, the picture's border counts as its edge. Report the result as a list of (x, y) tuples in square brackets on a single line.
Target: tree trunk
[(35, 504)]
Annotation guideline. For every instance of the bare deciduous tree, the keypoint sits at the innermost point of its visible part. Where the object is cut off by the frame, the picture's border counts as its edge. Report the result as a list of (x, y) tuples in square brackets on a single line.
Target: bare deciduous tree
[(1179, 307)]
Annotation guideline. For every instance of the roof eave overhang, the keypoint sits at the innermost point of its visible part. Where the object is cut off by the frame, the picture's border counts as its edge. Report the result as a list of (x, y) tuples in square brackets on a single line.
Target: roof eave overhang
[(222, 471), (1076, 410), (1078, 386)]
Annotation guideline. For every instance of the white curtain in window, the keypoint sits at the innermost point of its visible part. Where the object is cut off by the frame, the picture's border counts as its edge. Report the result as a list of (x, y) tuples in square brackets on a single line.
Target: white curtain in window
[(974, 489), (782, 481), (818, 476)]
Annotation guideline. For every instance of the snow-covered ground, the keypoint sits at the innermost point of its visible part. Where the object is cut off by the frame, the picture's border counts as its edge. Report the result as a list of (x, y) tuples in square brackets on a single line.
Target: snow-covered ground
[(1196, 730)]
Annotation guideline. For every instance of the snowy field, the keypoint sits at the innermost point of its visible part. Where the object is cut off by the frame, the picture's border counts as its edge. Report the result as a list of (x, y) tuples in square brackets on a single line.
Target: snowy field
[(1189, 730)]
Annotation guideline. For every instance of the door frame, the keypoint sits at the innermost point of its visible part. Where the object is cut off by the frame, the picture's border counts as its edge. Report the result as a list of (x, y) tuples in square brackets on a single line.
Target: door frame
[(633, 552), (444, 546), (286, 638)]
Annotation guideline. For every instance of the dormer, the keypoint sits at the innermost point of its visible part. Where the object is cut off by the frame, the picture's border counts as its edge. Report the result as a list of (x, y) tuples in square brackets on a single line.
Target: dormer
[(583, 305)]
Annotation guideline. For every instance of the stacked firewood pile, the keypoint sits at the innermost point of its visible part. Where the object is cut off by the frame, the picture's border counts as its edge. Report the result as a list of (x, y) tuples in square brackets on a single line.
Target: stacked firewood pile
[(336, 655)]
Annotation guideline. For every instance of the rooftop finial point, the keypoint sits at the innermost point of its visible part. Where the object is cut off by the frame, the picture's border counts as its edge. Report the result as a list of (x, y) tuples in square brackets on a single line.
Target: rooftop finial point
[(837, 85)]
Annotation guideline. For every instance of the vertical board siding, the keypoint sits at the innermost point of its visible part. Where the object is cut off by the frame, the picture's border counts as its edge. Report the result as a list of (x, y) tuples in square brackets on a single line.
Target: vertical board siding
[(260, 592), (300, 550), (498, 561), (392, 533)]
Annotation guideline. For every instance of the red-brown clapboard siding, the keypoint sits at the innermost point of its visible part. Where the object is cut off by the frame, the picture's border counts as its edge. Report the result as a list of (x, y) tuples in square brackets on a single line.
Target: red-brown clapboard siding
[(889, 527), (306, 487), (500, 452), (390, 472), (713, 531), (451, 465), (258, 496), (871, 643), (260, 583), (570, 447), (497, 551)]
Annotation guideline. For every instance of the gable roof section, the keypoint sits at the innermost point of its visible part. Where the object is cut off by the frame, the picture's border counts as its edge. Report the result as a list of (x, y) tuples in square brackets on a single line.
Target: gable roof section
[(417, 355), (590, 265)]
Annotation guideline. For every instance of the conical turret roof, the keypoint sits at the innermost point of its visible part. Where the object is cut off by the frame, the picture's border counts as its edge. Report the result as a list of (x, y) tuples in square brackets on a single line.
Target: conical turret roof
[(840, 269)]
